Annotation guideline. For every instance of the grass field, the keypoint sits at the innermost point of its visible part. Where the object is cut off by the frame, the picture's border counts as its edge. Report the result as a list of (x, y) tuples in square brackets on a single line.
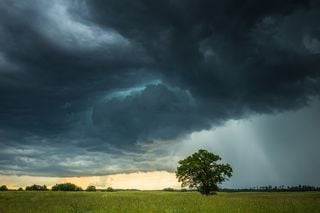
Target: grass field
[(158, 201)]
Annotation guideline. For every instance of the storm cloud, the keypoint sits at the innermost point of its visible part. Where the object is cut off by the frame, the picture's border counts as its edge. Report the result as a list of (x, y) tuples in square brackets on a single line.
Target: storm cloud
[(103, 82)]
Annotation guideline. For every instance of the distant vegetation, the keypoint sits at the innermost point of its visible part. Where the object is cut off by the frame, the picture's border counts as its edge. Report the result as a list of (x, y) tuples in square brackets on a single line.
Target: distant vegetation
[(66, 187), (168, 189), (177, 190), (73, 187), (3, 188), (282, 188), (35, 187), (109, 189), (91, 189)]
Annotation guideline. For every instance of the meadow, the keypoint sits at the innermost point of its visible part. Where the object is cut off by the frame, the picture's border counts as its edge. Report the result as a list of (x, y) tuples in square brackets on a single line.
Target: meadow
[(158, 201)]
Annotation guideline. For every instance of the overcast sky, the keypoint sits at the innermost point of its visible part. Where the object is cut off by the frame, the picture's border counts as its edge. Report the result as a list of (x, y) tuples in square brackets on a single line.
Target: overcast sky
[(100, 87)]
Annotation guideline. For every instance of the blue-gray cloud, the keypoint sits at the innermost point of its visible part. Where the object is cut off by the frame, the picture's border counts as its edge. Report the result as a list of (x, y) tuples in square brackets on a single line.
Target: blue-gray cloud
[(114, 78)]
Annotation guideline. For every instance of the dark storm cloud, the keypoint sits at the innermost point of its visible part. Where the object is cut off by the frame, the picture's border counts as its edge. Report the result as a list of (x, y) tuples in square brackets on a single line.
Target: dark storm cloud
[(83, 73), (227, 50), (157, 112)]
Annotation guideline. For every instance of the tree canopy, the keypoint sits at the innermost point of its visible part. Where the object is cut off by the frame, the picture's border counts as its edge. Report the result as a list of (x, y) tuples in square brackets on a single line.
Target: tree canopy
[(201, 171), (91, 189), (109, 189), (3, 188), (35, 187), (66, 187)]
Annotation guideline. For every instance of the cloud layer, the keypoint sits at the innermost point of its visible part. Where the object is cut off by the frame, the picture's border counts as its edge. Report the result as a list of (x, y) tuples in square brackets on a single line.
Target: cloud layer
[(90, 83)]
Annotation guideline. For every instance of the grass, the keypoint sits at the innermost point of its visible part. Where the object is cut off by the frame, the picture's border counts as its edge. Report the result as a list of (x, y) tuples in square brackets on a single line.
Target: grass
[(158, 201)]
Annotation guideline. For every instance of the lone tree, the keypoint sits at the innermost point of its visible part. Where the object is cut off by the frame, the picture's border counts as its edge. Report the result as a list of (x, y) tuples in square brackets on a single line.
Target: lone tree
[(202, 172)]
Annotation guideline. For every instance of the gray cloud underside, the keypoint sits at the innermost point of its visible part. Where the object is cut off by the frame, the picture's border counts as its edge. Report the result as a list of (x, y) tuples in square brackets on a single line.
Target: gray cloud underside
[(101, 79)]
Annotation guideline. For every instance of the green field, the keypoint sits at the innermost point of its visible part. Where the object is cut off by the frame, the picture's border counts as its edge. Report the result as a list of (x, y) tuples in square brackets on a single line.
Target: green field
[(158, 201)]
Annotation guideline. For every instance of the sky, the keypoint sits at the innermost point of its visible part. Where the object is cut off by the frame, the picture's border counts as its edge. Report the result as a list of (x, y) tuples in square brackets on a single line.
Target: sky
[(115, 93)]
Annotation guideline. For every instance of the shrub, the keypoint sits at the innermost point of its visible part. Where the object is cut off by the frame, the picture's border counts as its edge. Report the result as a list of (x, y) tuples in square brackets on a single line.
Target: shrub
[(3, 188), (35, 187), (66, 187), (168, 189), (91, 189), (110, 189)]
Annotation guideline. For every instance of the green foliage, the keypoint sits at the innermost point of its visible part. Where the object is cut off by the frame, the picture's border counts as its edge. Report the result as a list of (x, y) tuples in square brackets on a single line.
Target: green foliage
[(91, 189), (158, 202), (3, 188), (110, 189), (66, 187), (35, 187), (201, 171), (20, 189), (168, 189)]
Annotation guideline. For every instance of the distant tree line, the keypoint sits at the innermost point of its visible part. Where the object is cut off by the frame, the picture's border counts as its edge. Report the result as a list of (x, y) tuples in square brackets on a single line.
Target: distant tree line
[(35, 187), (66, 187), (281, 188), (91, 188), (177, 190)]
